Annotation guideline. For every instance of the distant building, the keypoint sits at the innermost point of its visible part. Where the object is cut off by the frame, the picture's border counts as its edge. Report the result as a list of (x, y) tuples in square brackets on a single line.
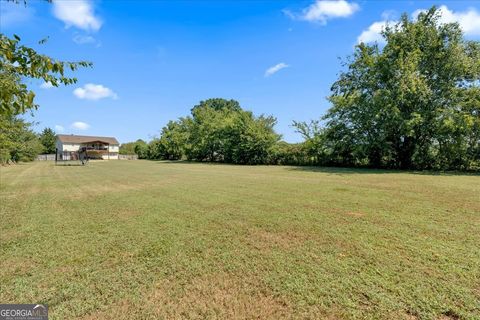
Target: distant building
[(107, 147)]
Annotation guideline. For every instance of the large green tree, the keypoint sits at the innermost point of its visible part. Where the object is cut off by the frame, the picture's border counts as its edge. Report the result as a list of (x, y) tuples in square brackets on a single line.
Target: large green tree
[(221, 130), (17, 140), (218, 104), (127, 148), (413, 103), (173, 141), (217, 130), (141, 149), (48, 138)]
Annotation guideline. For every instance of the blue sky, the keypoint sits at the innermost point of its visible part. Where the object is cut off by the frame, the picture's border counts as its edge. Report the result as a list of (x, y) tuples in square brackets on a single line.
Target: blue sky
[(154, 60)]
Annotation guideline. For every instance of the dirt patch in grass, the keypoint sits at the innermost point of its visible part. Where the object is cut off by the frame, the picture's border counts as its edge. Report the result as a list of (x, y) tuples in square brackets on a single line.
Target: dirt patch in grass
[(262, 239), (211, 296), (449, 315), (127, 214), (16, 266), (10, 235), (89, 192), (123, 309), (476, 291), (221, 296), (355, 214)]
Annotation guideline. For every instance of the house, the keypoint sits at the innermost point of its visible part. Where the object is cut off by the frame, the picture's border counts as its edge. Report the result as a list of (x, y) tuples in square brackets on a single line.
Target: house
[(107, 147)]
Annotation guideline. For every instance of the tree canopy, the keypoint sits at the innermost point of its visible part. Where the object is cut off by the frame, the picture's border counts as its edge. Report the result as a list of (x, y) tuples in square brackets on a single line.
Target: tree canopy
[(48, 138), (129, 147), (412, 104), (218, 104), (17, 141), (217, 130)]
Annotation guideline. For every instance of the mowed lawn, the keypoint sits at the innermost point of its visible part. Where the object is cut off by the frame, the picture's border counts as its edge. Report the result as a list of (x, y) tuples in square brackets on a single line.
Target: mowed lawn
[(145, 240)]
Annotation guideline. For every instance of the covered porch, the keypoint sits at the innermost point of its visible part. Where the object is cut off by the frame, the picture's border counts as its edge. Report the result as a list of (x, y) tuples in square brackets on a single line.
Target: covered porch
[(97, 148)]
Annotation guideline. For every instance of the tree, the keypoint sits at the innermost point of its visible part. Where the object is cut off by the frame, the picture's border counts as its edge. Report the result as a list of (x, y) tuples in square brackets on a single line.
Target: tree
[(220, 130), (173, 141), (217, 130), (284, 153), (17, 141), (207, 131), (250, 139), (47, 139), (413, 104), (313, 150), (19, 62), (141, 149), (218, 104), (129, 147)]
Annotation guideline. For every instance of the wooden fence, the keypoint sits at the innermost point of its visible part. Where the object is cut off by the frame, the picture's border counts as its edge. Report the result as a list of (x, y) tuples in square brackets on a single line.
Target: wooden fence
[(51, 157), (127, 157), (46, 157)]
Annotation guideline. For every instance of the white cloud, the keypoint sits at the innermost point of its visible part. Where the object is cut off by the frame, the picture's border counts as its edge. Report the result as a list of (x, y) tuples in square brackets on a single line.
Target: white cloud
[(92, 91), (79, 125), (323, 10), (59, 128), (468, 20), (78, 13), (81, 39), (373, 33), (275, 69), (46, 85)]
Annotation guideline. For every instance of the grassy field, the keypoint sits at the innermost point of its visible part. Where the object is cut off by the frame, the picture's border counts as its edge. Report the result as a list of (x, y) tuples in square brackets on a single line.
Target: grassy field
[(138, 239)]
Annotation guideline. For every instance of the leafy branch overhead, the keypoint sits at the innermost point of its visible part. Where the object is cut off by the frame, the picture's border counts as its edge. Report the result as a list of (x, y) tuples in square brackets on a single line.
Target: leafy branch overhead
[(19, 62)]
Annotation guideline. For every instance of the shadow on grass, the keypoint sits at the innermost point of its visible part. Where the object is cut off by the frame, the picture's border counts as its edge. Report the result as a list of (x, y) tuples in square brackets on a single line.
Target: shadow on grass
[(334, 170), (345, 170), (65, 164)]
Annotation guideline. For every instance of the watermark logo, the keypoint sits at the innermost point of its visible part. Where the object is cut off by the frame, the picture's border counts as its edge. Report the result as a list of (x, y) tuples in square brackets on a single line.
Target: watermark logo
[(23, 312)]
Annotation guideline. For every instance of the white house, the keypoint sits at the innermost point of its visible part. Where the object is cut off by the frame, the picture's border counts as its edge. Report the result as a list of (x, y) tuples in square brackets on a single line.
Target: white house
[(108, 147)]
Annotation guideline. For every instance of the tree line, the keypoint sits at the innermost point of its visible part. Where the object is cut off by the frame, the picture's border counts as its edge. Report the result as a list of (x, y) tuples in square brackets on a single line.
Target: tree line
[(411, 102), (217, 130)]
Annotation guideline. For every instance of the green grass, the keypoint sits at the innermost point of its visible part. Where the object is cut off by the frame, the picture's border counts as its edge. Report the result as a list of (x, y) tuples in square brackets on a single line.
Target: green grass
[(138, 239)]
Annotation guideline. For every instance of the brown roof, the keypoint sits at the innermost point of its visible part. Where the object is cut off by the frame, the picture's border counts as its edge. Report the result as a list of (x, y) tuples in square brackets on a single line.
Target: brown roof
[(70, 138)]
